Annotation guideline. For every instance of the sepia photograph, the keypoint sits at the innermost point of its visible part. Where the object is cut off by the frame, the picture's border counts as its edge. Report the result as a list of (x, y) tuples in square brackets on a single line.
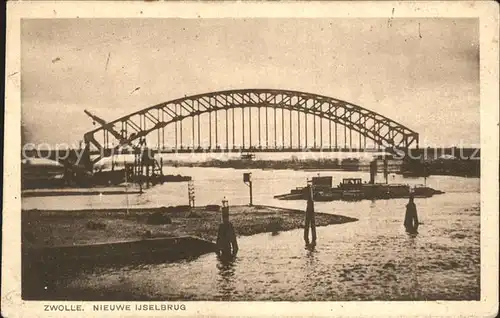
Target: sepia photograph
[(172, 159)]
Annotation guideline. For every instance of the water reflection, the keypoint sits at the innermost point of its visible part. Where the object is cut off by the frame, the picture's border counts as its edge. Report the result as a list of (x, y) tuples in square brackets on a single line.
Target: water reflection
[(226, 275), (309, 269), (373, 204), (141, 200), (412, 250), (311, 248)]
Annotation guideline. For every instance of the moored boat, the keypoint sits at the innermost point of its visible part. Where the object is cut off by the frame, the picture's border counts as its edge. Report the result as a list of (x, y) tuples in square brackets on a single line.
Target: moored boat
[(352, 189)]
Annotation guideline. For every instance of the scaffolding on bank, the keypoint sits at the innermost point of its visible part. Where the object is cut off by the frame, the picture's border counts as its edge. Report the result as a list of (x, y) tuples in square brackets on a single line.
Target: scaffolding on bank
[(145, 169)]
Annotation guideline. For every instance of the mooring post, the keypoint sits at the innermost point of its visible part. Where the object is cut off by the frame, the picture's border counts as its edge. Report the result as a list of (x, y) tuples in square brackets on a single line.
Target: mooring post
[(247, 179), (310, 218), (191, 193), (227, 244)]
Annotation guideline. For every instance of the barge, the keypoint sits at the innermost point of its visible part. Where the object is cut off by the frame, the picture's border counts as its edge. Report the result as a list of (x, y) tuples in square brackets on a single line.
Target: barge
[(354, 189)]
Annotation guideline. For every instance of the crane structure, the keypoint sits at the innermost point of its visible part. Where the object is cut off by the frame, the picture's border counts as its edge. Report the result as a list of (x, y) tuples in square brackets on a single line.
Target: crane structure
[(145, 168)]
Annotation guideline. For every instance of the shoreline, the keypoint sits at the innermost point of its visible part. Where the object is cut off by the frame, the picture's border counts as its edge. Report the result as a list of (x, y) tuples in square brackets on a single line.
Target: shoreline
[(52, 228), (70, 241)]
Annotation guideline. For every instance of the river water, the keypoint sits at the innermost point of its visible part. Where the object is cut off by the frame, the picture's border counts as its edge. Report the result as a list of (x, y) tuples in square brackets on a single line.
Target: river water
[(371, 259)]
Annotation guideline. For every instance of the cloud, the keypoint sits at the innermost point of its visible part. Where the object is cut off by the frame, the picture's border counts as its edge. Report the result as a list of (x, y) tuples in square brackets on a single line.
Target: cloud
[(429, 65)]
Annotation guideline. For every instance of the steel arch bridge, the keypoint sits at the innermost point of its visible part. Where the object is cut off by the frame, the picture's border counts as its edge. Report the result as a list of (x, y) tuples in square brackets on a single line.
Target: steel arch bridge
[(278, 117)]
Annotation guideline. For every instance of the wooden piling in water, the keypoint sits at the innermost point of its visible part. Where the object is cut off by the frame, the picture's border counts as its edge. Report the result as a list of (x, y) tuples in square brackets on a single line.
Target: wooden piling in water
[(310, 221)]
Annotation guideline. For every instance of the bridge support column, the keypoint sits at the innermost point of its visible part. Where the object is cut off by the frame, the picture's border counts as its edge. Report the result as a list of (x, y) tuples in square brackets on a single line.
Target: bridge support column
[(283, 128), (199, 128), (267, 128), (321, 133), (336, 143), (330, 134), (192, 131), (306, 143), (234, 140), (260, 145), (242, 128), (175, 131), (275, 130), (227, 132), (250, 126), (298, 130), (314, 131), (345, 137), (180, 123), (350, 138)]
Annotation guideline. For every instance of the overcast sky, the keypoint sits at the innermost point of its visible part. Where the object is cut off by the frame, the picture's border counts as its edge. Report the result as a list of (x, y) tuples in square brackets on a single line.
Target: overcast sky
[(423, 73)]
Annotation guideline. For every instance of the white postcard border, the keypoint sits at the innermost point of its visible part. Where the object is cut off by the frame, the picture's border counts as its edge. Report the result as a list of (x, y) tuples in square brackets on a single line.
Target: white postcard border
[(13, 306)]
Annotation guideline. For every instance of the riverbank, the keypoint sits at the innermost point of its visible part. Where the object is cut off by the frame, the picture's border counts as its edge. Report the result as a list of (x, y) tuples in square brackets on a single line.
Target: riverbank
[(70, 191), (62, 243), (347, 164), (456, 167), (45, 228)]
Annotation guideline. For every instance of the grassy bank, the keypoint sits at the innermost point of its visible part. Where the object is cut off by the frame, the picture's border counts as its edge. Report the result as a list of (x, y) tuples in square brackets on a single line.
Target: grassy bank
[(41, 228)]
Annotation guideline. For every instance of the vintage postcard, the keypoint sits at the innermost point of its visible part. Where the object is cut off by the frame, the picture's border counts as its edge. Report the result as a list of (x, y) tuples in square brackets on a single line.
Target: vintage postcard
[(251, 159)]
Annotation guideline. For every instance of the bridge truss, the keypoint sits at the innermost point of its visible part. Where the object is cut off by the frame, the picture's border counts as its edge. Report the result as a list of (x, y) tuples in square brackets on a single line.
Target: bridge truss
[(252, 120)]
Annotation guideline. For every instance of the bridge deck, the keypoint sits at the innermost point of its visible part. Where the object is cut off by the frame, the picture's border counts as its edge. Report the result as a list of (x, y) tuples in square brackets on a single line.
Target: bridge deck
[(427, 152)]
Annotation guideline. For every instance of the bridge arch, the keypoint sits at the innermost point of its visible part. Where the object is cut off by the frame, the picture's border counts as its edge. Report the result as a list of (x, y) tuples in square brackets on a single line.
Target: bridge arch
[(382, 130)]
